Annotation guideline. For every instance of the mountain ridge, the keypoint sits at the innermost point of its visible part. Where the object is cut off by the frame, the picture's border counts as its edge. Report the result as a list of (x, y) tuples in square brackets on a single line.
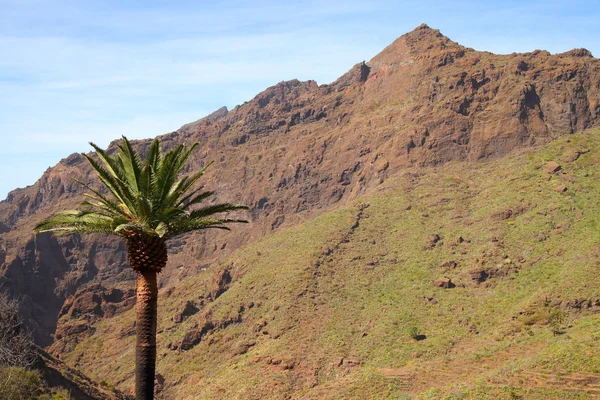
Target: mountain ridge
[(298, 149)]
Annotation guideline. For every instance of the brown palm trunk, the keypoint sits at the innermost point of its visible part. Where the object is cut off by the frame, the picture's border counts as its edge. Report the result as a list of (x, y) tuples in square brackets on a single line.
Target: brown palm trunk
[(147, 256), (145, 352)]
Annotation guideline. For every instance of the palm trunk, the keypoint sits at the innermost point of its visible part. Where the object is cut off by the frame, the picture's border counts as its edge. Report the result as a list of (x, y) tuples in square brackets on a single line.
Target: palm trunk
[(145, 354), (147, 256)]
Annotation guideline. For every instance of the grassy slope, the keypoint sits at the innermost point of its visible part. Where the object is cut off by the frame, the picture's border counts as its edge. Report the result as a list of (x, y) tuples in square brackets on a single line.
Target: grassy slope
[(328, 308)]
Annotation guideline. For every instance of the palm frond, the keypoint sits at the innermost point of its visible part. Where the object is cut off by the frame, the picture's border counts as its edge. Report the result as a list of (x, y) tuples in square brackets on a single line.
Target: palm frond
[(114, 185), (145, 196), (131, 163), (215, 209), (175, 196), (115, 168), (189, 225), (104, 202), (167, 174), (77, 221), (193, 198), (154, 158)]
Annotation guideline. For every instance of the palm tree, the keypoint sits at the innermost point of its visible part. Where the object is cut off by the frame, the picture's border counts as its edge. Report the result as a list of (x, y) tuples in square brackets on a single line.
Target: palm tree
[(146, 205)]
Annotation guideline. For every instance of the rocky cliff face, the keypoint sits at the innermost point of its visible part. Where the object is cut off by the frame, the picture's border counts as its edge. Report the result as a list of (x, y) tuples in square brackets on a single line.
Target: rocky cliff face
[(299, 148)]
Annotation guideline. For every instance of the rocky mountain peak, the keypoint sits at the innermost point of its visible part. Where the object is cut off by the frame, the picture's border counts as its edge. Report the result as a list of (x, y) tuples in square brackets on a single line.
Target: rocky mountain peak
[(212, 117), (422, 42), (577, 53)]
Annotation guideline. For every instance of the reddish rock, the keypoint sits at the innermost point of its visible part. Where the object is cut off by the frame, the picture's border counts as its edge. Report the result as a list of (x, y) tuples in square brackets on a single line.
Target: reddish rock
[(83, 308), (242, 348), (443, 282), (74, 329), (188, 310), (570, 156), (221, 283), (98, 301), (478, 275), (195, 335), (433, 240), (448, 265), (552, 167)]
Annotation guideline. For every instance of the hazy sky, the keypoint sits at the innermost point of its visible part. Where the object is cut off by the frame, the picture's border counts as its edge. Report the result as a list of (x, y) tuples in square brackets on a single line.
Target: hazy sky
[(78, 71)]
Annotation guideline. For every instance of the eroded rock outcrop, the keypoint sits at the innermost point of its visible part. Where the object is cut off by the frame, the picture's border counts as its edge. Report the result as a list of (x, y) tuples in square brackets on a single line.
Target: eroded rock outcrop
[(81, 310)]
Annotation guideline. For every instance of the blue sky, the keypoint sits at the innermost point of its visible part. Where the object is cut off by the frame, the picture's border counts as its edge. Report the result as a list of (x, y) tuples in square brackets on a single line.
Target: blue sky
[(78, 71)]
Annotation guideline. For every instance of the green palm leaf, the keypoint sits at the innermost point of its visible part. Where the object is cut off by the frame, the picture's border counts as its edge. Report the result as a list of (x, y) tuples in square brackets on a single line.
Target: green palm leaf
[(144, 196)]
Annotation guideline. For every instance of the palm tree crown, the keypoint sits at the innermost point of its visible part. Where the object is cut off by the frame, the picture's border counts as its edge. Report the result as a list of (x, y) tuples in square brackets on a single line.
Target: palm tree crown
[(146, 197)]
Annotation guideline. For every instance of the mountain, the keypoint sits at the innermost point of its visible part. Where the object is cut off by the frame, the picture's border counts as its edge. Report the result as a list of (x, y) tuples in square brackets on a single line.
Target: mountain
[(425, 112), (471, 281)]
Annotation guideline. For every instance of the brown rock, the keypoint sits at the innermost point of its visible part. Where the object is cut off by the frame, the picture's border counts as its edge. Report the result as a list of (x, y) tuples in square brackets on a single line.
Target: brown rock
[(552, 167), (188, 310), (74, 329), (433, 240), (505, 214), (287, 365), (561, 188), (195, 335), (443, 282), (159, 380), (242, 348), (81, 310), (351, 363), (540, 237), (478, 275), (448, 265), (570, 156), (221, 283)]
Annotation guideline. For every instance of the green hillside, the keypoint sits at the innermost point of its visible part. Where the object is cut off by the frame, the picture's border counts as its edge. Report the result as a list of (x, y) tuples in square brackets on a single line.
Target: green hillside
[(344, 305)]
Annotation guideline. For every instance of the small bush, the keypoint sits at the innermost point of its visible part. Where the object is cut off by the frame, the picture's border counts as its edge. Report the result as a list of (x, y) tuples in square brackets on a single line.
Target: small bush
[(62, 395), (16, 345), (413, 332), (19, 384), (556, 319)]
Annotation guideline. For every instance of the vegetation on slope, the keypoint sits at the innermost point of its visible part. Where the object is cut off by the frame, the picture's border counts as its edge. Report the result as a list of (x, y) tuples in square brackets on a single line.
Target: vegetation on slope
[(29, 373), (345, 307)]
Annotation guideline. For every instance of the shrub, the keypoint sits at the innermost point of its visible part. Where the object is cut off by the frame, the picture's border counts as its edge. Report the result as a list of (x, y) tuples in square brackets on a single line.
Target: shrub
[(556, 320), (16, 345), (19, 384), (414, 333)]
